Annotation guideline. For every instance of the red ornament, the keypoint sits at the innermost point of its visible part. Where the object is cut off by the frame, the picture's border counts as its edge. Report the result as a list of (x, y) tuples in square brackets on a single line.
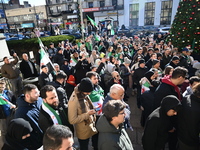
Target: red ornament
[(193, 13), (183, 21), (194, 6), (191, 18), (188, 35), (179, 33)]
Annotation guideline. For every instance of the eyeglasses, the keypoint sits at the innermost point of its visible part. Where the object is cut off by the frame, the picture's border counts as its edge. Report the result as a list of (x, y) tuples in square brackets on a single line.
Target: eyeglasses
[(123, 113)]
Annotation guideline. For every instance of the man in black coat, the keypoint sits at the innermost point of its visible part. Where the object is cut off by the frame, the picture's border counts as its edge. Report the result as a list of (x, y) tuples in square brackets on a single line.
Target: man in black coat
[(158, 125), (82, 67), (27, 67), (137, 75), (59, 57), (58, 85), (169, 86), (51, 113), (45, 76), (189, 121)]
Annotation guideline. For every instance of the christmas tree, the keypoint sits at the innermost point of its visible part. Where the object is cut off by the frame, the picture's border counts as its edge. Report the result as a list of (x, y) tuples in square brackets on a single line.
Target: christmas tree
[(185, 29)]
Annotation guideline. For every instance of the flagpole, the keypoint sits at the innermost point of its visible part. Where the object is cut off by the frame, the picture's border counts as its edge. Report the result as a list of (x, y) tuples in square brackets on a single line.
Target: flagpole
[(81, 16)]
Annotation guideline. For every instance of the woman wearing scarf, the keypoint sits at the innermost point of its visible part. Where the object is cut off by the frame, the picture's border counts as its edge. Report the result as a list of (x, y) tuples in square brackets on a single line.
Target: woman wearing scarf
[(17, 133), (145, 82)]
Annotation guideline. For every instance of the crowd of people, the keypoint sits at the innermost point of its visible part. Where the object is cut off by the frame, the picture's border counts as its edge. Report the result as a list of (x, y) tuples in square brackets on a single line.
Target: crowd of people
[(86, 95)]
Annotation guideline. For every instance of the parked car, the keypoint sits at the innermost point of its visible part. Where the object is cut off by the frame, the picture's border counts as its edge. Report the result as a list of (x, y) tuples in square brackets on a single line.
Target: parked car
[(71, 32), (164, 30)]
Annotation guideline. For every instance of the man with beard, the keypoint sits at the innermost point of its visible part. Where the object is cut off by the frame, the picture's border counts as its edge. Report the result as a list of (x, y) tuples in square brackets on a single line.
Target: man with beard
[(51, 113), (29, 105)]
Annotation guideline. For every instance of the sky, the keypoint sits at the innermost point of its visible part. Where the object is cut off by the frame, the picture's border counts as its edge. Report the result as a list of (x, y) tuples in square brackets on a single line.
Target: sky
[(34, 2)]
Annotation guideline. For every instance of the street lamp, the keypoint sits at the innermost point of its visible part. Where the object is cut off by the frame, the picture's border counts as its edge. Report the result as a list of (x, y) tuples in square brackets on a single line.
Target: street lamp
[(36, 15), (8, 26)]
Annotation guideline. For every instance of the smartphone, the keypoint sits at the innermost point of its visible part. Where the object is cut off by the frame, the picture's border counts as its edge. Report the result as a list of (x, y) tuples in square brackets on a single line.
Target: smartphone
[(97, 109)]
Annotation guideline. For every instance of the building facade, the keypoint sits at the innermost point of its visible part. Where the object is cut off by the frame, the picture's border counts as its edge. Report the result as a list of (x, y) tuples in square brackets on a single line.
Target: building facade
[(62, 12), (150, 12), (104, 9), (29, 17)]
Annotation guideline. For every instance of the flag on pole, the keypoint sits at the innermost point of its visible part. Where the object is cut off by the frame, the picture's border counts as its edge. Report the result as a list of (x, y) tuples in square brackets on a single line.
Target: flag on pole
[(44, 57), (92, 21), (112, 32), (96, 37), (4, 101)]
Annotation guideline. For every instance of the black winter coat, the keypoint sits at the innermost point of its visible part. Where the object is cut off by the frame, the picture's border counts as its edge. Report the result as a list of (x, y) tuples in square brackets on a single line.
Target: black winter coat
[(189, 121), (158, 125), (138, 74), (82, 67), (62, 95), (26, 70), (45, 120)]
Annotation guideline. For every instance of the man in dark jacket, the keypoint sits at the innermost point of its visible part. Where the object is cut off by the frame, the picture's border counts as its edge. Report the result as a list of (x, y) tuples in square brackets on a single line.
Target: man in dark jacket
[(45, 76), (51, 113), (27, 67), (137, 75), (58, 85), (28, 108), (158, 124), (111, 133), (149, 63), (174, 62), (59, 57), (169, 86), (82, 67), (189, 121), (184, 58)]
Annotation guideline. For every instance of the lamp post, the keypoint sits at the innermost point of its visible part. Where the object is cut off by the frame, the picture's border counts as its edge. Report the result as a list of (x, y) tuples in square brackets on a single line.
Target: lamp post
[(36, 15), (81, 18), (8, 26)]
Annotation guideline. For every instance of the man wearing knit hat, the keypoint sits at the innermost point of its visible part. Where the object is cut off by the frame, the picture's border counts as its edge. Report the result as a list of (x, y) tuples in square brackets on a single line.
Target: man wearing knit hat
[(138, 74), (81, 112)]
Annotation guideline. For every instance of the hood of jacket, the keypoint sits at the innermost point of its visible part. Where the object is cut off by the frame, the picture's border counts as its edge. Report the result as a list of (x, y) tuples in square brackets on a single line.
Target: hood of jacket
[(170, 102), (104, 126)]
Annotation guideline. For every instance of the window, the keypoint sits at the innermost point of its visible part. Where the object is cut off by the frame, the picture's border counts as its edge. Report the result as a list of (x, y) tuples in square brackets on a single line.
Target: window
[(149, 13), (58, 9), (102, 3), (57, 1), (49, 1), (134, 14), (69, 7), (50, 10), (90, 4), (114, 2), (166, 9)]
